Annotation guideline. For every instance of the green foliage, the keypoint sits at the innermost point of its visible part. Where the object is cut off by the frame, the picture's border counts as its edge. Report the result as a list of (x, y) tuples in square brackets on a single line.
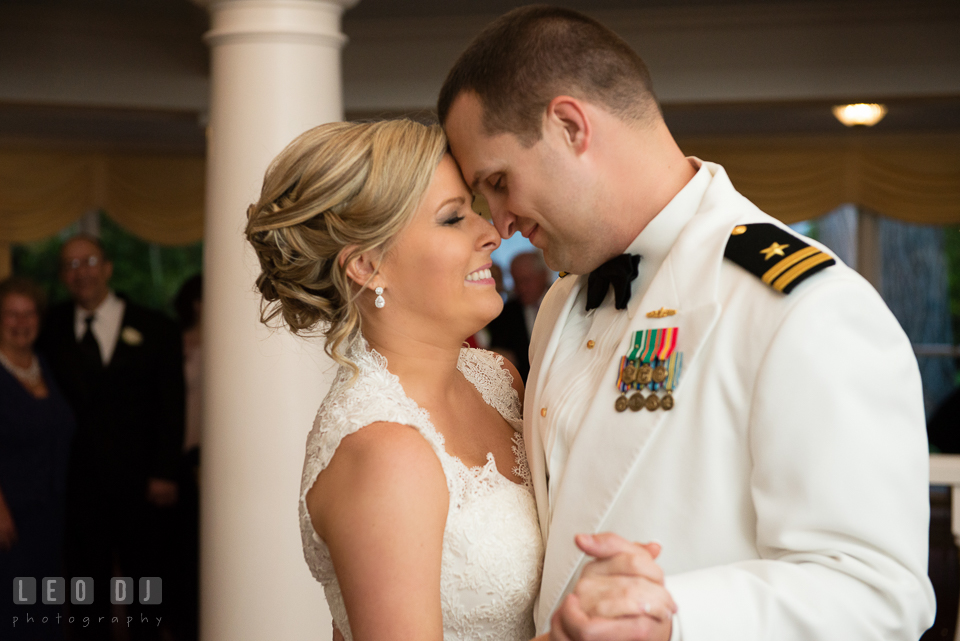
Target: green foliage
[(147, 274), (39, 261)]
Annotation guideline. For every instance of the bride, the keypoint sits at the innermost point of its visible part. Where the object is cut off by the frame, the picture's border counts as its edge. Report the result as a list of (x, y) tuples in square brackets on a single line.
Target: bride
[(416, 508)]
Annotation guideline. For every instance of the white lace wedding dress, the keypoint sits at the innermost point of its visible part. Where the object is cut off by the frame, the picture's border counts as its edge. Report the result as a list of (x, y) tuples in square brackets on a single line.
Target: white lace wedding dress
[(492, 550)]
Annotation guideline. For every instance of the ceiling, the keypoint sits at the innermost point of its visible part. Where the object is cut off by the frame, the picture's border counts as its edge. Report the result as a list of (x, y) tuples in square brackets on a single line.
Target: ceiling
[(184, 130), (433, 8)]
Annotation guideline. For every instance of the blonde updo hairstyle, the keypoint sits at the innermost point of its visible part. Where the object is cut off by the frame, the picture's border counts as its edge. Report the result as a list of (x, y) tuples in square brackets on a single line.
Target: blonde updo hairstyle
[(340, 188)]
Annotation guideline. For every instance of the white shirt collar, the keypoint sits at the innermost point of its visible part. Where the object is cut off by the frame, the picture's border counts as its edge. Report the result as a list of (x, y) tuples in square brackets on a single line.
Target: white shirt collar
[(109, 306), (658, 237), (108, 317)]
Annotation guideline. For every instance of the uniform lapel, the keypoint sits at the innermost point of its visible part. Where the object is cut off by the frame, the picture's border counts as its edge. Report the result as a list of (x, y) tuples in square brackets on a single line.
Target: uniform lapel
[(611, 443), (553, 314)]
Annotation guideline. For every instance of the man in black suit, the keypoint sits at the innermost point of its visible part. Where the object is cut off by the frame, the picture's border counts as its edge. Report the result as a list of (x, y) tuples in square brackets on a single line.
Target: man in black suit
[(510, 331), (120, 367)]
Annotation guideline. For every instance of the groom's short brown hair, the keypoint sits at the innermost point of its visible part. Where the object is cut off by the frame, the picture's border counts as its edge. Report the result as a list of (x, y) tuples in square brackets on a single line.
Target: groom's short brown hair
[(530, 55)]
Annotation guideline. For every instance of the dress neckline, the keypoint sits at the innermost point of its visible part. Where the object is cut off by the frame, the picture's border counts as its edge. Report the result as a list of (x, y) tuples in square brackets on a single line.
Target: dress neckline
[(478, 472), (17, 383)]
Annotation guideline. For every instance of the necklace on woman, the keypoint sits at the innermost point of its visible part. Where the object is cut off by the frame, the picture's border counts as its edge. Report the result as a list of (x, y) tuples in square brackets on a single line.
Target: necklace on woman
[(28, 375)]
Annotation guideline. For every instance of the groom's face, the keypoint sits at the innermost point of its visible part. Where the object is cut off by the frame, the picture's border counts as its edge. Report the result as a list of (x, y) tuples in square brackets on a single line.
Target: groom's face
[(536, 190)]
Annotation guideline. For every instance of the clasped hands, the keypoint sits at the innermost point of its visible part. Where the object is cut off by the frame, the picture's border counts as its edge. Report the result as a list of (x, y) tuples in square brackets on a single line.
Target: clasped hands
[(620, 595)]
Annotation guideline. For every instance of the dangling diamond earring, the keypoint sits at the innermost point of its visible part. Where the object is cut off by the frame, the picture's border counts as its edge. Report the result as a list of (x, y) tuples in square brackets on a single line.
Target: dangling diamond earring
[(379, 302)]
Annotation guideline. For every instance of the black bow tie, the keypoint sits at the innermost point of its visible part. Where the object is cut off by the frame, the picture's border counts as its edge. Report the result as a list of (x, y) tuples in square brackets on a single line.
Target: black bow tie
[(619, 272)]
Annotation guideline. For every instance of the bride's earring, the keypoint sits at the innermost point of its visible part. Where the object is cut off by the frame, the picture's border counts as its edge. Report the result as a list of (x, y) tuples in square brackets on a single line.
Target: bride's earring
[(379, 302)]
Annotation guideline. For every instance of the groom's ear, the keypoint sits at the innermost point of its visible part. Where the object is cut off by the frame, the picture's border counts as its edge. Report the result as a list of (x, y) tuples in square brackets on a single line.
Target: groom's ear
[(566, 116)]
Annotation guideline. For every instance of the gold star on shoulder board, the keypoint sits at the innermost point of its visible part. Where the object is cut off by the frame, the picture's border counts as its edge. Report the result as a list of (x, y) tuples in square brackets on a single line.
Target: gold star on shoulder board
[(797, 260), (776, 249)]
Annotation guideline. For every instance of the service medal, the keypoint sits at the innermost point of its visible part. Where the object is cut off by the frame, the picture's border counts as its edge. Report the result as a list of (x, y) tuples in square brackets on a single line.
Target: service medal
[(673, 379), (666, 403), (622, 385), (644, 374), (652, 363), (621, 403), (659, 374)]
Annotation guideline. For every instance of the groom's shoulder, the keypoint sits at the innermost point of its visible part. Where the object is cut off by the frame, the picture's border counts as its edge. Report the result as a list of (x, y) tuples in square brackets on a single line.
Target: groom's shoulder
[(756, 243), (780, 257)]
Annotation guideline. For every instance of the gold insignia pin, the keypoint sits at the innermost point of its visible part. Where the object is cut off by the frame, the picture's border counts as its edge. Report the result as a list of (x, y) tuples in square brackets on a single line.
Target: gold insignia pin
[(776, 249), (739, 229), (663, 312)]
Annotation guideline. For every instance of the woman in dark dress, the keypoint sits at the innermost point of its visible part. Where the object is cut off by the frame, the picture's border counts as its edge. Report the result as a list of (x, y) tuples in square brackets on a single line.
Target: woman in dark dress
[(35, 430)]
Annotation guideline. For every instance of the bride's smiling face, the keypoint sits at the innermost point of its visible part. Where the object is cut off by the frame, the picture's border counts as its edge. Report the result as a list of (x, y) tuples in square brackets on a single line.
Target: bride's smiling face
[(436, 275)]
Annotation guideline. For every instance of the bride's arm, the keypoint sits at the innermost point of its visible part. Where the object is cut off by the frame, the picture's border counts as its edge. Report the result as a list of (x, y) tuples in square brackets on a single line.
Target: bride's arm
[(381, 507)]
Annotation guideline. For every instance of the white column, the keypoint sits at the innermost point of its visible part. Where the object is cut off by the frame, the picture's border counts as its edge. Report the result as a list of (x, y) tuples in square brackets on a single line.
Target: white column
[(275, 72)]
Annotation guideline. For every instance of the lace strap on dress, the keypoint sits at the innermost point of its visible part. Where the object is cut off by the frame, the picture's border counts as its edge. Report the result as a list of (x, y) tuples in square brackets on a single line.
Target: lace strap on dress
[(495, 383), (376, 396)]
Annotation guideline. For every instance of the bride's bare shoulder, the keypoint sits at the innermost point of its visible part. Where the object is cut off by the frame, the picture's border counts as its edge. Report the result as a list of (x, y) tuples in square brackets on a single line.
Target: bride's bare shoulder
[(373, 469), (381, 508)]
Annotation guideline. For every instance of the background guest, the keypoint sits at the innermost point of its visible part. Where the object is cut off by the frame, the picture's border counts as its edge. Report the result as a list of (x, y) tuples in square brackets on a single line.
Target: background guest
[(121, 368), (189, 307), (35, 430), (510, 331)]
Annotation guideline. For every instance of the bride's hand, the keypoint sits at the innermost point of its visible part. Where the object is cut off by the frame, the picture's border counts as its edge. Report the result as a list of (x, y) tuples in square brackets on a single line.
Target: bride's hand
[(620, 594), (623, 579)]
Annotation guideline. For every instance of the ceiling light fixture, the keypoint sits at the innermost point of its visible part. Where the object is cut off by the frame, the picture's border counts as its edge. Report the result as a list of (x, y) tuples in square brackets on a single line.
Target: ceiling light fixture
[(860, 114)]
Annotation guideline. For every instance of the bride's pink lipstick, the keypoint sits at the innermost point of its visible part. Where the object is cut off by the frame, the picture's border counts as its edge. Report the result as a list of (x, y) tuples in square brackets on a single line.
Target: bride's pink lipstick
[(481, 276)]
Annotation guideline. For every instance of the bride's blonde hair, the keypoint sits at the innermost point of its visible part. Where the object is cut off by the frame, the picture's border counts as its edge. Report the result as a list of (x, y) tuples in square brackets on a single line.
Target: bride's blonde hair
[(337, 191)]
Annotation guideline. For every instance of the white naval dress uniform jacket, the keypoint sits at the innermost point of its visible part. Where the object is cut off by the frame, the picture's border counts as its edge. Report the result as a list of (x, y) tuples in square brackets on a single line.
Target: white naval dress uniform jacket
[(788, 486)]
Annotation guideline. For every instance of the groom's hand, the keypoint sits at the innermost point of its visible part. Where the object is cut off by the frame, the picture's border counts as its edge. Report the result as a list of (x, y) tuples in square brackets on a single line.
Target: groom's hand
[(623, 580), (620, 595), (571, 623)]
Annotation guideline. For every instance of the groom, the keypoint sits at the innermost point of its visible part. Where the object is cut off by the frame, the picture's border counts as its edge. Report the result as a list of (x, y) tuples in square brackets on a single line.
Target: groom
[(739, 396)]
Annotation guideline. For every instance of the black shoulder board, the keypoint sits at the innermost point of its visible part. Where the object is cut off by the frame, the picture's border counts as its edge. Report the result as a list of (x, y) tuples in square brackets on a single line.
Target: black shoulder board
[(775, 256)]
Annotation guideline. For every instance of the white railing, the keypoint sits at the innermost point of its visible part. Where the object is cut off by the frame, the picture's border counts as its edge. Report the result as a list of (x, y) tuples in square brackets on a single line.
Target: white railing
[(936, 349)]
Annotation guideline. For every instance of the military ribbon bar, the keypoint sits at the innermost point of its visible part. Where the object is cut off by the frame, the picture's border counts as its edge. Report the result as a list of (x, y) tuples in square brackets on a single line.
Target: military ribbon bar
[(667, 344), (673, 371)]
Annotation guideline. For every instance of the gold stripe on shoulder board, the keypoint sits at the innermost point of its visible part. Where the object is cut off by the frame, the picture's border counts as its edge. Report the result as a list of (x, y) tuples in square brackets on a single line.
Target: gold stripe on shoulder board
[(787, 263), (799, 270)]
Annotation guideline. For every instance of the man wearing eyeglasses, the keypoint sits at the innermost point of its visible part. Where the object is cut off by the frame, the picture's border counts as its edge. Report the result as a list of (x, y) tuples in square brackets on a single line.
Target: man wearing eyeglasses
[(120, 366)]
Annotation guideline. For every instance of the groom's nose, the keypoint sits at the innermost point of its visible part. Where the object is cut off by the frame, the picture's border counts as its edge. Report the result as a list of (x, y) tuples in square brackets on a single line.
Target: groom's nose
[(504, 221)]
